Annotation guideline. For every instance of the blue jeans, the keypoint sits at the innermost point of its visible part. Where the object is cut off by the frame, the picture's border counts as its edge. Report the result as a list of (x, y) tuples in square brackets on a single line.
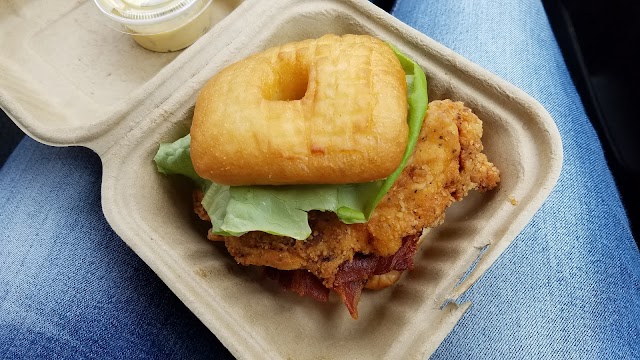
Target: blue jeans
[(568, 286)]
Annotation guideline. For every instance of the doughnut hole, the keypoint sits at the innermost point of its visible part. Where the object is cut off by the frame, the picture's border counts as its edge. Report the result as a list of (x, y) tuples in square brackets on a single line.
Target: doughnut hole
[(288, 79)]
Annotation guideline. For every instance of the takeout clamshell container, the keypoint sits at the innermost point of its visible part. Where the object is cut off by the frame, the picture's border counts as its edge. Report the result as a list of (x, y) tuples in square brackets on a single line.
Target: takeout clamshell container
[(67, 79)]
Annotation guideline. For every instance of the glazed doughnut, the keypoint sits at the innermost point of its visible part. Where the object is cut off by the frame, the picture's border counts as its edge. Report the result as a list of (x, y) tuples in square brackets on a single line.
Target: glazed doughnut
[(331, 110)]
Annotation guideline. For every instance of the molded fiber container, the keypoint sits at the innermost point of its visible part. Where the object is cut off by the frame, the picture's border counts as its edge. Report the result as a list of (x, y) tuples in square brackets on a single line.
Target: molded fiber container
[(67, 79)]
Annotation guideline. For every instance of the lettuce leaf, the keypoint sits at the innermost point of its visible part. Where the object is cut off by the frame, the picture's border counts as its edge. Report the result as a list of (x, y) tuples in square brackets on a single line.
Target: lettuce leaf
[(175, 159), (277, 210), (282, 210), (418, 101)]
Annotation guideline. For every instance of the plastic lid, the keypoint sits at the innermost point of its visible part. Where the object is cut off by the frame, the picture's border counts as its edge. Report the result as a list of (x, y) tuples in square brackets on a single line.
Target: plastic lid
[(143, 12)]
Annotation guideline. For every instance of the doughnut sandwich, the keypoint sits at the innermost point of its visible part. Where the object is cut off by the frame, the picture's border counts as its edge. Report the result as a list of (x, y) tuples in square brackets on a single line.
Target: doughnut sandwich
[(321, 162)]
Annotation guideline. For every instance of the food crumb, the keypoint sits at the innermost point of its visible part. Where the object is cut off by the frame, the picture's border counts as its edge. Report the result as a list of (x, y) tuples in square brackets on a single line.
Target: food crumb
[(201, 273), (513, 200)]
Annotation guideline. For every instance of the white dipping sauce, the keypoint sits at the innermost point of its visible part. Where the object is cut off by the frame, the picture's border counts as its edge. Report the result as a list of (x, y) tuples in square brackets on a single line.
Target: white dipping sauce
[(159, 25)]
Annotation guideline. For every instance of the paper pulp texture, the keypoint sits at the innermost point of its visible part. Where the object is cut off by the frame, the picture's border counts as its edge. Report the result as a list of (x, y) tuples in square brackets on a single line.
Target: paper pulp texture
[(67, 79)]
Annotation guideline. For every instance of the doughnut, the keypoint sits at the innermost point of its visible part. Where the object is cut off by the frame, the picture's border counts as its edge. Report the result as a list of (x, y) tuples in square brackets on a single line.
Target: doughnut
[(331, 110)]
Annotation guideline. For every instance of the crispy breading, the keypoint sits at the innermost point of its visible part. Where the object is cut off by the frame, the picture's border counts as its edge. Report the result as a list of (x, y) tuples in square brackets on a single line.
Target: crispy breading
[(447, 163), (331, 243)]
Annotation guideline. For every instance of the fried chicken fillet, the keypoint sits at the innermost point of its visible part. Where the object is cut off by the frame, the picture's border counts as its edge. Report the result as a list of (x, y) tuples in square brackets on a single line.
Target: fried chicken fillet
[(447, 163)]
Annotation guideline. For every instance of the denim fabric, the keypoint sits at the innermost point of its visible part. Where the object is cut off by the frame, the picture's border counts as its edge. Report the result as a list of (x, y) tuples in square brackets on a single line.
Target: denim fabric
[(568, 287), (69, 287)]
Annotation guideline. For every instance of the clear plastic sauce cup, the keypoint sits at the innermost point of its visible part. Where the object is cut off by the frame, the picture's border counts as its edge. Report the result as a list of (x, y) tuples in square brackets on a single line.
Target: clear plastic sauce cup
[(159, 25)]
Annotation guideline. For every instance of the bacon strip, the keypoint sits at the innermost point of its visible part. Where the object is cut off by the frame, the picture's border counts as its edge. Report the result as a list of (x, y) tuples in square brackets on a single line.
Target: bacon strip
[(350, 293), (301, 282), (351, 277)]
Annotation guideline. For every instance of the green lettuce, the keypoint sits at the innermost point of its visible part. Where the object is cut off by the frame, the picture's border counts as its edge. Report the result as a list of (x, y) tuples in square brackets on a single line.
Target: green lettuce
[(175, 159), (278, 210), (282, 210), (417, 100)]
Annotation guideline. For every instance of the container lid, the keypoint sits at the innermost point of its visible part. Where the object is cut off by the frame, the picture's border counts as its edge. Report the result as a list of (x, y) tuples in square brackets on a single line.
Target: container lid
[(143, 12)]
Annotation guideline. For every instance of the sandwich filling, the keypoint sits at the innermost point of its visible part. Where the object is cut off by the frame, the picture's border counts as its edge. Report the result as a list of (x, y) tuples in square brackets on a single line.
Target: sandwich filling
[(447, 163)]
